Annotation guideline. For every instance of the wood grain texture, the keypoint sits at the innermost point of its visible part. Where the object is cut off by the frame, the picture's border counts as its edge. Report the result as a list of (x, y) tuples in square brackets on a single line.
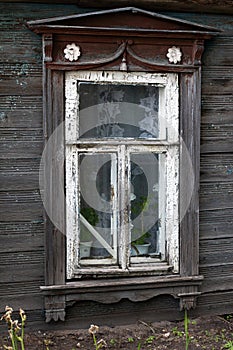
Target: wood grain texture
[(216, 223), (215, 168), (190, 132), (21, 215), (215, 6)]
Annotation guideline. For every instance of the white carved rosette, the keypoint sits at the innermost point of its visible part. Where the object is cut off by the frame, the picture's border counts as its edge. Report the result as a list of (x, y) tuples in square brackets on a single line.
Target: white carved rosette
[(72, 52), (174, 54)]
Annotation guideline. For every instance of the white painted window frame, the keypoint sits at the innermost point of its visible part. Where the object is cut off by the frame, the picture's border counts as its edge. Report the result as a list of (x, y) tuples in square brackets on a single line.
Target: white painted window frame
[(167, 144)]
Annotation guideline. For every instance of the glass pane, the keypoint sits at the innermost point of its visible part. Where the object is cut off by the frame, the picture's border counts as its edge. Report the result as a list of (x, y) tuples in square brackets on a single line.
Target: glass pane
[(112, 110), (144, 204), (97, 222)]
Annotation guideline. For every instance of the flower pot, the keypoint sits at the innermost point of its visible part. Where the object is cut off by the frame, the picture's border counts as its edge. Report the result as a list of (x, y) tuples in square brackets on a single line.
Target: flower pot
[(140, 249), (85, 249)]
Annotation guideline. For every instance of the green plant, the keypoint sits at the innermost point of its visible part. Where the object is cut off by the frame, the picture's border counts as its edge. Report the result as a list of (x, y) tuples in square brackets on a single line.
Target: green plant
[(15, 329), (150, 339), (139, 207), (177, 332), (130, 339), (186, 330), (141, 239), (92, 217), (113, 341), (228, 345)]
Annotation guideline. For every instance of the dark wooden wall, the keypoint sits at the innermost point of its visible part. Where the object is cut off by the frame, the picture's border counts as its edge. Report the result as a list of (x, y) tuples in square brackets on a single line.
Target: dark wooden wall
[(21, 210)]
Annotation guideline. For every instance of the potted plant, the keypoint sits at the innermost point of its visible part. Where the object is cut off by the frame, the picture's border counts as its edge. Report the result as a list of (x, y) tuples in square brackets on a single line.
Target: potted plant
[(85, 235), (140, 246)]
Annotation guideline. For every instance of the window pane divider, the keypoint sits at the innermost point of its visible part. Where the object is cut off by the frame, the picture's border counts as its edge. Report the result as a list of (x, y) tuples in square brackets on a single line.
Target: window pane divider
[(89, 143), (96, 234)]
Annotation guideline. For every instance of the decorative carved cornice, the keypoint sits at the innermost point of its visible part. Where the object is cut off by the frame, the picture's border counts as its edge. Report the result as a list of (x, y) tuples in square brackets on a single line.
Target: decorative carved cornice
[(126, 52)]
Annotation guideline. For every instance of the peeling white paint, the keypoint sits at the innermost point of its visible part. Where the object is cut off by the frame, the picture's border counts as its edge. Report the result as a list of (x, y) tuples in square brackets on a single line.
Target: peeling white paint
[(167, 145)]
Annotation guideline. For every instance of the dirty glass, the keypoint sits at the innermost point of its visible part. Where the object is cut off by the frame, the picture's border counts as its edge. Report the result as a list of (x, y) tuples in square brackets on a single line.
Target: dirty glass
[(144, 199), (97, 188), (109, 110)]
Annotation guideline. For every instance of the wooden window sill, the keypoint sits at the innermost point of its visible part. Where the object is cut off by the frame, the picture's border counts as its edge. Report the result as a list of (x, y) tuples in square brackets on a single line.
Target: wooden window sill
[(112, 290)]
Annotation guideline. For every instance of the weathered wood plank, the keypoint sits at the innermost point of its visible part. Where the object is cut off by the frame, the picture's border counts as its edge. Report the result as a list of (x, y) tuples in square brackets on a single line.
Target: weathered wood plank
[(218, 51), (29, 9), (216, 137), (216, 230), (217, 6), (21, 149), (20, 79), (217, 78), (125, 312), (20, 197), (21, 112), (217, 146), (217, 277), (217, 126), (16, 242), (216, 168), (216, 223), (219, 215), (29, 301), (217, 103), (20, 206), (217, 270), (215, 303), (22, 165), (26, 48), (216, 131), (19, 181), (21, 212), (215, 196), (15, 82), (18, 288), (18, 228), (216, 251), (26, 135), (190, 132), (33, 271), (19, 174), (218, 117)]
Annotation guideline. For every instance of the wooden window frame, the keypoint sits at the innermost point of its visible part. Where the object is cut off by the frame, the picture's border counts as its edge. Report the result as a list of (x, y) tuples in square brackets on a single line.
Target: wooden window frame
[(166, 143), (131, 48)]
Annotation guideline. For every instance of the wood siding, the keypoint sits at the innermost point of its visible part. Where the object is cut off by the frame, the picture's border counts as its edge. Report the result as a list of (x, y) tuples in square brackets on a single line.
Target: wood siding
[(204, 6), (21, 209)]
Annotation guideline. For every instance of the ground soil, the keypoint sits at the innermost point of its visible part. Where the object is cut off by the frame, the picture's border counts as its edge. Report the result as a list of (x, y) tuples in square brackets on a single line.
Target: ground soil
[(212, 333)]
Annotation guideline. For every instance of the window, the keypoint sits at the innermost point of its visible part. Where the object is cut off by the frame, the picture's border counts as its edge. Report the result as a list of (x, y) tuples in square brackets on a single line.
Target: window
[(122, 173), (127, 83)]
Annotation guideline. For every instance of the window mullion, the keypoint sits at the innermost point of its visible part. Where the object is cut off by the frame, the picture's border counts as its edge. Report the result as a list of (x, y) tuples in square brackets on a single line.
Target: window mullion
[(162, 205), (114, 204), (123, 190), (71, 209)]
